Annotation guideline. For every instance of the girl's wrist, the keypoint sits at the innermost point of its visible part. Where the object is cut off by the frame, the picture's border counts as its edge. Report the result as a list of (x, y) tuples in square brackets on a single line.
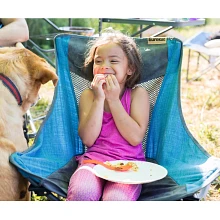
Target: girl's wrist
[(99, 100), (112, 102)]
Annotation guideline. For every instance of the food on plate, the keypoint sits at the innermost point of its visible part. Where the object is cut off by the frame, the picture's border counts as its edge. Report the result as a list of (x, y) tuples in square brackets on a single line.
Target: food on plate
[(133, 165)]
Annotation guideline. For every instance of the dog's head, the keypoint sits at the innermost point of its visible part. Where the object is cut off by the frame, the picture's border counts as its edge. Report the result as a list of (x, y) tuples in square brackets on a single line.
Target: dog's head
[(28, 71)]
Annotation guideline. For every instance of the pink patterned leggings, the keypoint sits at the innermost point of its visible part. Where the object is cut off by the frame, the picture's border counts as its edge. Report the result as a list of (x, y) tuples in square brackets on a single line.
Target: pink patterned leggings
[(85, 186)]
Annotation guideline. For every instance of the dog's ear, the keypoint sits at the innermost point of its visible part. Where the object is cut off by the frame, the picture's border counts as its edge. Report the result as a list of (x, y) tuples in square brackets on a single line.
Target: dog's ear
[(38, 68), (46, 74), (42, 71)]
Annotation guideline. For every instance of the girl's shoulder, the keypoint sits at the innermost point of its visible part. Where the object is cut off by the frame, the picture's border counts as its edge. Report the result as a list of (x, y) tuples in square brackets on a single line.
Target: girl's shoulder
[(87, 94), (138, 91)]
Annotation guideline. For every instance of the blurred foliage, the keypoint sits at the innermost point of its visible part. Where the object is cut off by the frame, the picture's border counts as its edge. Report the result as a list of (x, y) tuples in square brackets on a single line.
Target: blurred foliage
[(39, 27), (42, 32), (212, 21)]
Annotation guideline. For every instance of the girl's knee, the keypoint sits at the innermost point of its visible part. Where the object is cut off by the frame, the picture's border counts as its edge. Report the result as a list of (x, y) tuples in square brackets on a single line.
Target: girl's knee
[(84, 186), (80, 194), (84, 191), (121, 192)]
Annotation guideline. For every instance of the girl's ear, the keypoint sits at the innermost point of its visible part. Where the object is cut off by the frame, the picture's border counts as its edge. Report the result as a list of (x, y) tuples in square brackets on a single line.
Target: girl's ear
[(130, 71)]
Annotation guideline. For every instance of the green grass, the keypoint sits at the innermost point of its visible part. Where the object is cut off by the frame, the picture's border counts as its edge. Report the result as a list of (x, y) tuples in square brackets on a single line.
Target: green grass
[(35, 197)]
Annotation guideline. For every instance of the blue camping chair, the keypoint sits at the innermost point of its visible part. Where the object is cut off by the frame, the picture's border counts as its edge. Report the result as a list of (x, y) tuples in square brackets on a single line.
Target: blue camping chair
[(50, 162)]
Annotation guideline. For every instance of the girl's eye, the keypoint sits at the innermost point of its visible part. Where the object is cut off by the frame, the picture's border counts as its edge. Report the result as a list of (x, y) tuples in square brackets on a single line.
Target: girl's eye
[(98, 61), (114, 61)]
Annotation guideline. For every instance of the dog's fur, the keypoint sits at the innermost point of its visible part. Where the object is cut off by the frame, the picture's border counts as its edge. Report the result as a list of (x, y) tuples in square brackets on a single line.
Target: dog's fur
[(27, 71)]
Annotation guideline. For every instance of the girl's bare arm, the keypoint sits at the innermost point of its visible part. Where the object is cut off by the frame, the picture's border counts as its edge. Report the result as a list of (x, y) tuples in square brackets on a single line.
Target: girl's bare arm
[(14, 30), (90, 117)]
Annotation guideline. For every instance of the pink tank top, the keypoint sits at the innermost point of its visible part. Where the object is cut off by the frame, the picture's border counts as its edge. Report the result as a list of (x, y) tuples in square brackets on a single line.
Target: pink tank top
[(110, 145)]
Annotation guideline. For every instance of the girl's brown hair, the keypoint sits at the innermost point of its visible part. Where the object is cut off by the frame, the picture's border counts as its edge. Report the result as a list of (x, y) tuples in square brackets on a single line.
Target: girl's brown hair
[(129, 47)]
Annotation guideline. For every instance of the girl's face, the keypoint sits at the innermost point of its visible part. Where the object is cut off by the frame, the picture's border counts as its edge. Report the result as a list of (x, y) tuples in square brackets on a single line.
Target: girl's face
[(111, 59)]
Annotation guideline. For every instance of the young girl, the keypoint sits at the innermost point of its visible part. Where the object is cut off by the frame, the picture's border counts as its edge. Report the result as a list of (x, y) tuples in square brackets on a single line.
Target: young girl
[(113, 118)]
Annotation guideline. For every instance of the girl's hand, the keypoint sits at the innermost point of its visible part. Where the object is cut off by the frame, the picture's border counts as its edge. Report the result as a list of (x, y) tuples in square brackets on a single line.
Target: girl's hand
[(112, 89), (97, 86)]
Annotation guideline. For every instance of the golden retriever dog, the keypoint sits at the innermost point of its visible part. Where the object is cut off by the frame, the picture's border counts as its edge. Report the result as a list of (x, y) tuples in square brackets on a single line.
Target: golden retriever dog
[(21, 74)]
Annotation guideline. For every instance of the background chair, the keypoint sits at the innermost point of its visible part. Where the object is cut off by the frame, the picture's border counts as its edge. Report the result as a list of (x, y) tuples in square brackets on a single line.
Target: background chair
[(50, 162), (211, 55)]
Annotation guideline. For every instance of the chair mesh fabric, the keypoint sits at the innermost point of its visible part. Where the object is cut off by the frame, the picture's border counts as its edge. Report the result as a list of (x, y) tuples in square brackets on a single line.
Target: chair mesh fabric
[(50, 162)]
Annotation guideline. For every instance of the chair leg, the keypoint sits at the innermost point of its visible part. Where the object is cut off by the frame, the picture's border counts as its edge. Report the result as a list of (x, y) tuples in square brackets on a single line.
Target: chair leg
[(203, 192), (25, 129), (197, 66), (206, 70), (215, 60), (213, 63), (187, 71), (32, 125)]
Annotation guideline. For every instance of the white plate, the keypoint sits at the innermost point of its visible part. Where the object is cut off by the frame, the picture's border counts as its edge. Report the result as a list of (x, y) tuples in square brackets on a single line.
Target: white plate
[(147, 172)]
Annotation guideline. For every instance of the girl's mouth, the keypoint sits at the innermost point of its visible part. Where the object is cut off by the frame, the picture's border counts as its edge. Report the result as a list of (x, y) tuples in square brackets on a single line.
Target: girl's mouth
[(106, 74)]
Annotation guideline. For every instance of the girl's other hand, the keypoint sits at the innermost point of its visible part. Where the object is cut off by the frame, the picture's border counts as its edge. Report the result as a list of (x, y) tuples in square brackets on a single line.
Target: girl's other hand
[(112, 89), (97, 86)]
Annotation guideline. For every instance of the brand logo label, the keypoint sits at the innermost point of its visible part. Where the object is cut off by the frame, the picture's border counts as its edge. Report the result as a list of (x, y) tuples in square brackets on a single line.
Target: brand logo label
[(157, 40)]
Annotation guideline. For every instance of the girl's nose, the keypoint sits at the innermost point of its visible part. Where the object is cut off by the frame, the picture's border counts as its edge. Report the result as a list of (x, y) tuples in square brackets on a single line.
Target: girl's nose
[(104, 68)]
